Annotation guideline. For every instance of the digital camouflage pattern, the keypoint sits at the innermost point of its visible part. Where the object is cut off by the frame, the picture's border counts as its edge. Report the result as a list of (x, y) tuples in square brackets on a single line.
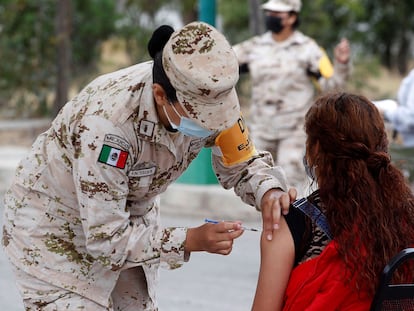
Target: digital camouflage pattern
[(282, 91), (203, 69), (80, 223)]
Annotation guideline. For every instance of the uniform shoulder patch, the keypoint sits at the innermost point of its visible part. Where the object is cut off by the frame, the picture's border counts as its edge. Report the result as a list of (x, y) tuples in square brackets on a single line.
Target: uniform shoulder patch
[(146, 128), (117, 140), (113, 156)]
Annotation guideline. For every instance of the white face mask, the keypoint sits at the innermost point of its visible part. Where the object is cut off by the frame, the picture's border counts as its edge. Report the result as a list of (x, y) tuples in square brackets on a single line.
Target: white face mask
[(187, 126)]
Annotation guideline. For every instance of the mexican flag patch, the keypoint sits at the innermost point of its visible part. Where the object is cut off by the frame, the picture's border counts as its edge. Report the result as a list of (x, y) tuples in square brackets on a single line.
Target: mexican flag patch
[(113, 156)]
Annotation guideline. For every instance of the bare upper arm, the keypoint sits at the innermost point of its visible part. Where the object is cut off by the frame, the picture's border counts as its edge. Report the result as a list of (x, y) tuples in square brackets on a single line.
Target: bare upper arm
[(277, 258)]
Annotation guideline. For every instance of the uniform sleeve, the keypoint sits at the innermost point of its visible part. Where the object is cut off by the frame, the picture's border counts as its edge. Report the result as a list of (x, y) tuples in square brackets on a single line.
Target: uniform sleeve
[(242, 51), (339, 78), (252, 178), (116, 238), (328, 79), (239, 165)]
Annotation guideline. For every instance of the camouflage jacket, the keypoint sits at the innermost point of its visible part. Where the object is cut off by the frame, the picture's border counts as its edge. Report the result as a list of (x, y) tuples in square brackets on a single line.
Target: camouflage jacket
[(83, 205), (285, 77)]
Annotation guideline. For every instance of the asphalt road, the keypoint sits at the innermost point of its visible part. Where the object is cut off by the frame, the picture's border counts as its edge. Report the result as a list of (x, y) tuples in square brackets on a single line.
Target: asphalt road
[(206, 282)]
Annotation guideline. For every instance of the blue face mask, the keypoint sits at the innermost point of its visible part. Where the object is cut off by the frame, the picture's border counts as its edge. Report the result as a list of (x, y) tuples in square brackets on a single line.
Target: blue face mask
[(187, 126), (310, 171)]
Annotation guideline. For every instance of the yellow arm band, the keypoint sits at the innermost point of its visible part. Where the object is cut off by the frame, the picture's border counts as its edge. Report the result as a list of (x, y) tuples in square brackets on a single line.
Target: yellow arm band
[(234, 144), (325, 66)]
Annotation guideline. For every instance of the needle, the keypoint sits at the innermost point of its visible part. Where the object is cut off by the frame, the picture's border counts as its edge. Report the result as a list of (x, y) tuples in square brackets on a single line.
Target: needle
[(212, 221)]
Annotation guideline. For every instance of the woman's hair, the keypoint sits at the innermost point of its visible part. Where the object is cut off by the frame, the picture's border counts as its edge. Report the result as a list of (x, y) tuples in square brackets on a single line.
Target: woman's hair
[(369, 206), (155, 46)]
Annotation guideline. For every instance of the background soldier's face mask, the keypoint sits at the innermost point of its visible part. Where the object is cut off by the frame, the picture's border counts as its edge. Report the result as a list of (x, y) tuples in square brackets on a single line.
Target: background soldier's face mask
[(187, 126), (274, 23)]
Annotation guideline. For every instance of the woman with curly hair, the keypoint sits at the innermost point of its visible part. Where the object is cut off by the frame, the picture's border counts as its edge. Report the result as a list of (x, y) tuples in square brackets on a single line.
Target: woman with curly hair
[(333, 245)]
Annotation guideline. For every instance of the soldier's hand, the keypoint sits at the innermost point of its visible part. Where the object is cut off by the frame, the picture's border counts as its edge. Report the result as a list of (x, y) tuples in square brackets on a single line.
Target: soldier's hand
[(342, 51), (213, 238), (274, 203)]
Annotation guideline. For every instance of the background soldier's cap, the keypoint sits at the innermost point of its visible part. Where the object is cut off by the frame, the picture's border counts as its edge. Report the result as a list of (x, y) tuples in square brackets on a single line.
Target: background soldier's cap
[(203, 69), (282, 5)]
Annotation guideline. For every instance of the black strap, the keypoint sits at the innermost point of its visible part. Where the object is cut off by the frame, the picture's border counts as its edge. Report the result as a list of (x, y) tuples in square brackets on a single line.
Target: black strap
[(315, 214)]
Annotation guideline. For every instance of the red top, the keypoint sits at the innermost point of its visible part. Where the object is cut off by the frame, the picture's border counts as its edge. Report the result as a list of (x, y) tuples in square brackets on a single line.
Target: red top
[(318, 284)]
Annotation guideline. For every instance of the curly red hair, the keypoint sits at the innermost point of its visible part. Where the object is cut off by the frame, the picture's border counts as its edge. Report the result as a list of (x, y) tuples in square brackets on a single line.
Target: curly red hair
[(369, 206)]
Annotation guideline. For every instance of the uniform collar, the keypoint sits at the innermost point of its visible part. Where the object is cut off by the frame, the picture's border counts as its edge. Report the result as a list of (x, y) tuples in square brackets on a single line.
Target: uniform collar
[(296, 38), (148, 125)]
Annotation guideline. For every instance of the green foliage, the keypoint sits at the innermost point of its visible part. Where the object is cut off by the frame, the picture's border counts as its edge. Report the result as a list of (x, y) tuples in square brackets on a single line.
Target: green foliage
[(235, 17), (93, 22), (28, 44), (380, 32), (391, 23), (136, 26), (329, 21)]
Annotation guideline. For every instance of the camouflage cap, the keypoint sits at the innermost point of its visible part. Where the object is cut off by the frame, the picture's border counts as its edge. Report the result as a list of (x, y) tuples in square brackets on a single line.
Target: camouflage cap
[(203, 69), (282, 5)]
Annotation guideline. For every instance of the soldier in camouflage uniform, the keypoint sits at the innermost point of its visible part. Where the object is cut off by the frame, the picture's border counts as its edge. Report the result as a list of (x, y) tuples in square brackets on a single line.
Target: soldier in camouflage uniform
[(81, 218), (286, 69)]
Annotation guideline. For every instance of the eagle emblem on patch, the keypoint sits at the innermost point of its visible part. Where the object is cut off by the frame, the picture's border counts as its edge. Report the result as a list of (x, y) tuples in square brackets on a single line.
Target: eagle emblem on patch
[(113, 156)]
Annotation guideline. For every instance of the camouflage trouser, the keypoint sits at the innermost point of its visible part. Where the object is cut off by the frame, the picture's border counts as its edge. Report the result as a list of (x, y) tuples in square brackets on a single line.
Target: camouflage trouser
[(129, 294), (403, 158), (288, 153)]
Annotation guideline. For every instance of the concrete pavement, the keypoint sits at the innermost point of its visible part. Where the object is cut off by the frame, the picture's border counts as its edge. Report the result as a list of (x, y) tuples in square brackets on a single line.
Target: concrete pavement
[(207, 282), (213, 282)]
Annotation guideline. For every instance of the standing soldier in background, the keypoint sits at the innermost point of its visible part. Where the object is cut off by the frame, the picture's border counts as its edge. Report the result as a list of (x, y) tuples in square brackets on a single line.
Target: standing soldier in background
[(400, 114), (287, 69), (82, 216)]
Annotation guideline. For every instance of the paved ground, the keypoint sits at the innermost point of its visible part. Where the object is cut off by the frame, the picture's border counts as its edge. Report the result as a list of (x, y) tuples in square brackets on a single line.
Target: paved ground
[(207, 282)]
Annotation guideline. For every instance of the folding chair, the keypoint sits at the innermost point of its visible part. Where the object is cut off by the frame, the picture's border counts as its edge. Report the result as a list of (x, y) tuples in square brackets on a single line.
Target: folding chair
[(394, 297)]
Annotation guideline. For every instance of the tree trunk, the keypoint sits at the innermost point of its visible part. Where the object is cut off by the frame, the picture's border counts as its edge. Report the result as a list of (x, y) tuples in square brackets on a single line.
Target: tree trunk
[(256, 17), (403, 54), (64, 52)]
